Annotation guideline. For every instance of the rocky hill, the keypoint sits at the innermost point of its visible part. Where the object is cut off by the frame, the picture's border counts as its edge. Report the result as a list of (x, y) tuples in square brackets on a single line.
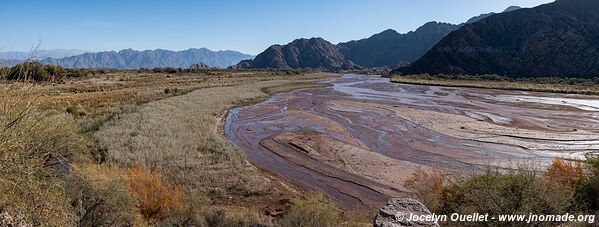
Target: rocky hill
[(555, 39), (133, 59), (391, 49), (315, 53)]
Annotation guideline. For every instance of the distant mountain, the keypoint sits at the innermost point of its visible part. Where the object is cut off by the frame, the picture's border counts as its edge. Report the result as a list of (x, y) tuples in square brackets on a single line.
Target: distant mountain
[(315, 53), (555, 39), (133, 59), (483, 16), (8, 63), (391, 49), (55, 53)]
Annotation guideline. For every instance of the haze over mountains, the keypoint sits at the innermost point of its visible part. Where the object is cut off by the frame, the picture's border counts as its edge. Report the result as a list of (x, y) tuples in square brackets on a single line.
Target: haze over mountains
[(133, 59), (556, 39), (386, 49), (8, 63), (54, 53)]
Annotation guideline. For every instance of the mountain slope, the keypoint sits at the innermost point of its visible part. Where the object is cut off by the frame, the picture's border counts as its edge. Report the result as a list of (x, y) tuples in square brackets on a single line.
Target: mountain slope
[(483, 16), (132, 59), (315, 53), (556, 39), (54, 53), (8, 63), (391, 49)]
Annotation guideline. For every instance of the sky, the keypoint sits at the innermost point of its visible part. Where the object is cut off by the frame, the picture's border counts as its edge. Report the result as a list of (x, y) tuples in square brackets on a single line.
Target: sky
[(249, 26)]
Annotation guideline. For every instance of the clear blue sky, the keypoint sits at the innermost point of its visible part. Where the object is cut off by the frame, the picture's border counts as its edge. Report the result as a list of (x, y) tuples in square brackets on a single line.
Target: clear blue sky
[(249, 26)]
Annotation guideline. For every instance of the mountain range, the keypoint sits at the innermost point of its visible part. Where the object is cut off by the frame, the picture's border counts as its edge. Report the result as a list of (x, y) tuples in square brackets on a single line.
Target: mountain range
[(54, 53), (133, 59), (8, 63), (391, 49), (388, 49), (555, 39)]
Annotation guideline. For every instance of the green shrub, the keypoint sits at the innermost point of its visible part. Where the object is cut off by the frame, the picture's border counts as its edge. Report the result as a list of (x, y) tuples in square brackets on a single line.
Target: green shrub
[(518, 192), (312, 211), (587, 195)]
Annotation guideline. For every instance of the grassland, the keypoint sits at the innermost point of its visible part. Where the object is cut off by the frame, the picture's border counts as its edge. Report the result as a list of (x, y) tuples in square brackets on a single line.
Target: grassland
[(552, 84), (140, 148)]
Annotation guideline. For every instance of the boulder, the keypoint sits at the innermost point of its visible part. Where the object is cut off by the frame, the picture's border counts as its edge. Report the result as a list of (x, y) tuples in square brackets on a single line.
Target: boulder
[(198, 66), (398, 210)]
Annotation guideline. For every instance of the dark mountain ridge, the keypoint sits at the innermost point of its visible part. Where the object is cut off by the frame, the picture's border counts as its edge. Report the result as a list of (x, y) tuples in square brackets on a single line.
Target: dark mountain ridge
[(315, 53), (555, 39), (485, 15), (391, 49), (388, 49)]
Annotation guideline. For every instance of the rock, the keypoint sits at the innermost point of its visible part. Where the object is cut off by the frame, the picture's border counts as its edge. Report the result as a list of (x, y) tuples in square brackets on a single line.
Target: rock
[(397, 211), (198, 66)]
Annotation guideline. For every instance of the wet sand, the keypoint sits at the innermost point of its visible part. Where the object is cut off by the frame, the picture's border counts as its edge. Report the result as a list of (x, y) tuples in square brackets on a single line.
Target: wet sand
[(358, 140)]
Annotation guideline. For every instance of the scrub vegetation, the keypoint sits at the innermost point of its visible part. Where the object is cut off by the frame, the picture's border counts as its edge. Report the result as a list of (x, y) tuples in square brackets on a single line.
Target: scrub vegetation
[(143, 148), (539, 84), (564, 187)]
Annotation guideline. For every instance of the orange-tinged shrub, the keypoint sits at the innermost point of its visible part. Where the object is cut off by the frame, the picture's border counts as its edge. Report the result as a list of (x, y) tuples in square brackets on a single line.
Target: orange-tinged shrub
[(426, 187), (156, 199), (564, 174)]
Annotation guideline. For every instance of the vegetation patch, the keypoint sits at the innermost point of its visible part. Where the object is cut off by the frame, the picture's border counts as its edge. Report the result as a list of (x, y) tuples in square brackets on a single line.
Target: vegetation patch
[(538, 84), (565, 187)]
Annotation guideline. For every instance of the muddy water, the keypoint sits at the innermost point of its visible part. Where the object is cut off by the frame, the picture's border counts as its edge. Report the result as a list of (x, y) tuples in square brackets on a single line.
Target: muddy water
[(457, 129)]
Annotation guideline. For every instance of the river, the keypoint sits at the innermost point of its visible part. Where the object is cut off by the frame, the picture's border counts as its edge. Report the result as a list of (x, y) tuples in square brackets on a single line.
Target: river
[(359, 139)]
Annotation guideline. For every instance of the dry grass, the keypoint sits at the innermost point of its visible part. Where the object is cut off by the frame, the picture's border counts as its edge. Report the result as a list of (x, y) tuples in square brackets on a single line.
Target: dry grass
[(155, 198), (312, 211), (557, 87), (34, 148), (167, 125), (177, 137)]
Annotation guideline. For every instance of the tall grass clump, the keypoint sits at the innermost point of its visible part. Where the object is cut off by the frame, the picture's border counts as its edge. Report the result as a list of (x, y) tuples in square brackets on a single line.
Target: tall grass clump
[(312, 211), (35, 147)]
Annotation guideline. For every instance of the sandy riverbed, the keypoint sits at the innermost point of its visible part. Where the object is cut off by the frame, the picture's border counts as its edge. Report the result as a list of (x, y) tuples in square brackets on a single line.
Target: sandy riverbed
[(358, 140)]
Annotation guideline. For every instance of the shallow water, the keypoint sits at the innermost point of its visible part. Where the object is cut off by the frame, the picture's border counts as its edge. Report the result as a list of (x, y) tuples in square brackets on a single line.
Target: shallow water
[(458, 129)]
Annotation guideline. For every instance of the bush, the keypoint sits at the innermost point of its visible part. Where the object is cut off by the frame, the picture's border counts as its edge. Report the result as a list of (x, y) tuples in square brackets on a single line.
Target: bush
[(563, 187), (35, 71), (102, 198), (587, 194), (427, 187), (156, 199), (564, 175), (220, 150), (312, 211), (35, 150), (518, 192)]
